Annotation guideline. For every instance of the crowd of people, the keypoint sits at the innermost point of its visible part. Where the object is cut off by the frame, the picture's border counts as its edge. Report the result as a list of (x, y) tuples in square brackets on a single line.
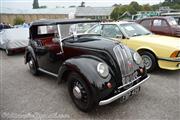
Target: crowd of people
[(8, 26), (5, 26)]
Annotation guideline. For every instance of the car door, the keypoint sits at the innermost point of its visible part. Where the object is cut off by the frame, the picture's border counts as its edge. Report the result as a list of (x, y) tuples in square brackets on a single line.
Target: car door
[(146, 23), (48, 50), (161, 26)]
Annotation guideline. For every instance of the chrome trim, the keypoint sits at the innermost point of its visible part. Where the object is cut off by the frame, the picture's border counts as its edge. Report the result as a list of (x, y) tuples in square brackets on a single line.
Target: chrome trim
[(170, 59), (47, 72), (129, 83), (60, 37), (124, 58), (104, 102)]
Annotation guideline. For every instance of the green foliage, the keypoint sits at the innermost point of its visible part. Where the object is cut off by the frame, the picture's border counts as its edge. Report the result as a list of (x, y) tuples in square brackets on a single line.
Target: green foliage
[(147, 7), (18, 21), (134, 7), (174, 4), (115, 14)]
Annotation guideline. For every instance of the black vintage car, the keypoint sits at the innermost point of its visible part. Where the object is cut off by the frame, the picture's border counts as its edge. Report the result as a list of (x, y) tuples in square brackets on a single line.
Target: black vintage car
[(98, 70)]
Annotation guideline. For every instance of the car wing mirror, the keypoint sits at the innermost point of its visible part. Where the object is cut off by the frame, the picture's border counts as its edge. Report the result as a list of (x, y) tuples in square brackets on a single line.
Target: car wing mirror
[(56, 40), (119, 36)]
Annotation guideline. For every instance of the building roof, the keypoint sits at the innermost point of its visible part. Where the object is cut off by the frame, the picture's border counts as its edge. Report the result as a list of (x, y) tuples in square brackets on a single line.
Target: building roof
[(94, 11), (38, 11), (61, 21)]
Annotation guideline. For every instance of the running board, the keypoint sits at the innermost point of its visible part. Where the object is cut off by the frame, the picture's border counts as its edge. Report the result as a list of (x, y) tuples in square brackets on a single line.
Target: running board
[(49, 73)]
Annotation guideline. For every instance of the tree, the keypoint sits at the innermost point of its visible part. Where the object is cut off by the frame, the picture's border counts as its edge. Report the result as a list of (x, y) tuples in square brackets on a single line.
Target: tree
[(147, 7), (135, 5), (82, 4), (118, 11), (35, 4), (115, 14), (131, 9), (18, 21)]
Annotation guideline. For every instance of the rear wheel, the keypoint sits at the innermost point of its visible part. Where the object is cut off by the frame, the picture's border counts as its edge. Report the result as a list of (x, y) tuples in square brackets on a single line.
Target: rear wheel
[(80, 92), (32, 65), (149, 61)]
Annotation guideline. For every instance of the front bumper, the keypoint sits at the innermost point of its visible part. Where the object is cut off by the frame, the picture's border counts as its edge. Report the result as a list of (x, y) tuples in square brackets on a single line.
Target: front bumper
[(107, 101), (169, 63)]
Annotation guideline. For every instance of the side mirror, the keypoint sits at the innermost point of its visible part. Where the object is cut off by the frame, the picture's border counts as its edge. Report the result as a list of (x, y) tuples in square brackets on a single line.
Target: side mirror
[(119, 36), (56, 40)]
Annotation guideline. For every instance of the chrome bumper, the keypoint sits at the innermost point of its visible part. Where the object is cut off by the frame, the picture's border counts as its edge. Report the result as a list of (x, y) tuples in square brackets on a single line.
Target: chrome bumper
[(104, 102)]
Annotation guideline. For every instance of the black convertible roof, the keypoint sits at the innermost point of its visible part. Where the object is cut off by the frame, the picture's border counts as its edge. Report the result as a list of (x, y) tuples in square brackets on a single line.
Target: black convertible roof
[(61, 21)]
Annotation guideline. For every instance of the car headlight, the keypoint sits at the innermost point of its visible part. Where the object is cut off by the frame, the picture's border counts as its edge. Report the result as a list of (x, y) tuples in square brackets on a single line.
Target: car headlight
[(137, 58), (103, 70)]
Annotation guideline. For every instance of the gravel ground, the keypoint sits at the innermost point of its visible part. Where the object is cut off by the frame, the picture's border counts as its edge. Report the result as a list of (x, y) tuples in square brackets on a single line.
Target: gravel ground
[(24, 96)]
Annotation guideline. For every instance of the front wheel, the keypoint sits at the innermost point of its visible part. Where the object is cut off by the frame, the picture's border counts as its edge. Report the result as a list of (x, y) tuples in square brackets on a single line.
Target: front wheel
[(149, 61), (80, 92), (32, 65)]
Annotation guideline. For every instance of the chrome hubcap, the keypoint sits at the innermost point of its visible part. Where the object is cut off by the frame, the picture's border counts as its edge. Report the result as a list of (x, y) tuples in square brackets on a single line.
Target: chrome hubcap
[(147, 61), (31, 63), (77, 92)]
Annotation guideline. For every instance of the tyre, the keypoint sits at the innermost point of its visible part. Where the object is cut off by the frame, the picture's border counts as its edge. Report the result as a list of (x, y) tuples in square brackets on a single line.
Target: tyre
[(8, 52), (80, 92), (149, 60), (32, 65)]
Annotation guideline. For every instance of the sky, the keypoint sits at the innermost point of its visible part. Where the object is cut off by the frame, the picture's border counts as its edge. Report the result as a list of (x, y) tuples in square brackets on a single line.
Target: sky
[(24, 4)]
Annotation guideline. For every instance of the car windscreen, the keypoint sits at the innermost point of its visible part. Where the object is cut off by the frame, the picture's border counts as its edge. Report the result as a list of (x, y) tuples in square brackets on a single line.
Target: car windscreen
[(134, 29), (67, 30), (172, 21)]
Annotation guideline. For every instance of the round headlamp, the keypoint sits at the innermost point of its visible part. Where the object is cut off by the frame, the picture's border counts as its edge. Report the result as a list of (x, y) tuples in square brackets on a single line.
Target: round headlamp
[(103, 70), (137, 58)]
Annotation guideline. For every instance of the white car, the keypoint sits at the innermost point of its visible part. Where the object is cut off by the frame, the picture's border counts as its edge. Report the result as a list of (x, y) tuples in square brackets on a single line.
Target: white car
[(14, 39)]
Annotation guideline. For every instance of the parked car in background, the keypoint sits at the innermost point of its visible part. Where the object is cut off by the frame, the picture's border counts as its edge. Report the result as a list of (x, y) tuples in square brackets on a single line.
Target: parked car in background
[(14, 40), (175, 15), (98, 70), (156, 50), (161, 25), (177, 18)]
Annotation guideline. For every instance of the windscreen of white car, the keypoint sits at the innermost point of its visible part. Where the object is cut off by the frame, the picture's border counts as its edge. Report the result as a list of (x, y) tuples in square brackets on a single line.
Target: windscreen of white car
[(133, 29)]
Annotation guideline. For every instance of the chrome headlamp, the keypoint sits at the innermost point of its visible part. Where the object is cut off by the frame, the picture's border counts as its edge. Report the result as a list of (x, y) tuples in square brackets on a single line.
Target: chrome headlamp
[(103, 70), (137, 58)]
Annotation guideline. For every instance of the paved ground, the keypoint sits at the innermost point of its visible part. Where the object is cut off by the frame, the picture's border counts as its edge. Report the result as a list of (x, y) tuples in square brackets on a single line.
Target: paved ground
[(24, 96)]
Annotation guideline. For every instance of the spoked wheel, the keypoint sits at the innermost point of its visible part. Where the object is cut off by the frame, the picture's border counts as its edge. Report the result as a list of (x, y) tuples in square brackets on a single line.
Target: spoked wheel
[(80, 92), (32, 65), (149, 61)]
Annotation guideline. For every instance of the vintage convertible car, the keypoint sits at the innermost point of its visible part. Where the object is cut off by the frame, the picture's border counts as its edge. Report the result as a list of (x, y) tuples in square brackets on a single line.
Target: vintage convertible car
[(98, 70), (14, 39), (156, 50)]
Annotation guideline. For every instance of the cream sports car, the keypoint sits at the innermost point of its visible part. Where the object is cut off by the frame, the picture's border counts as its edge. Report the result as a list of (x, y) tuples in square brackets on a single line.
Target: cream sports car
[(156, 50)]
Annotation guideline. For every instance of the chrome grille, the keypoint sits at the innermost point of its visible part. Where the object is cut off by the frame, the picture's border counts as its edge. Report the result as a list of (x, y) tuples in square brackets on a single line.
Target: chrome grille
[(126, 63)]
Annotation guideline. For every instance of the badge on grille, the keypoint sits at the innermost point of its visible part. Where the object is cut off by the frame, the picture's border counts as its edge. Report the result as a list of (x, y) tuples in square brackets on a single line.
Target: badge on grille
[(130, 64)]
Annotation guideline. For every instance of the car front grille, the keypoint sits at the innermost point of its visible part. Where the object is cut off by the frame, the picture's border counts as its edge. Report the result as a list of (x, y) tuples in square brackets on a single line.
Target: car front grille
[(126, 63)]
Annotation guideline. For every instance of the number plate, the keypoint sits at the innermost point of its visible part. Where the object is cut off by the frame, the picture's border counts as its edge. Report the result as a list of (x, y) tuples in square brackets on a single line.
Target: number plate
[(129, 94), (135, 91)]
